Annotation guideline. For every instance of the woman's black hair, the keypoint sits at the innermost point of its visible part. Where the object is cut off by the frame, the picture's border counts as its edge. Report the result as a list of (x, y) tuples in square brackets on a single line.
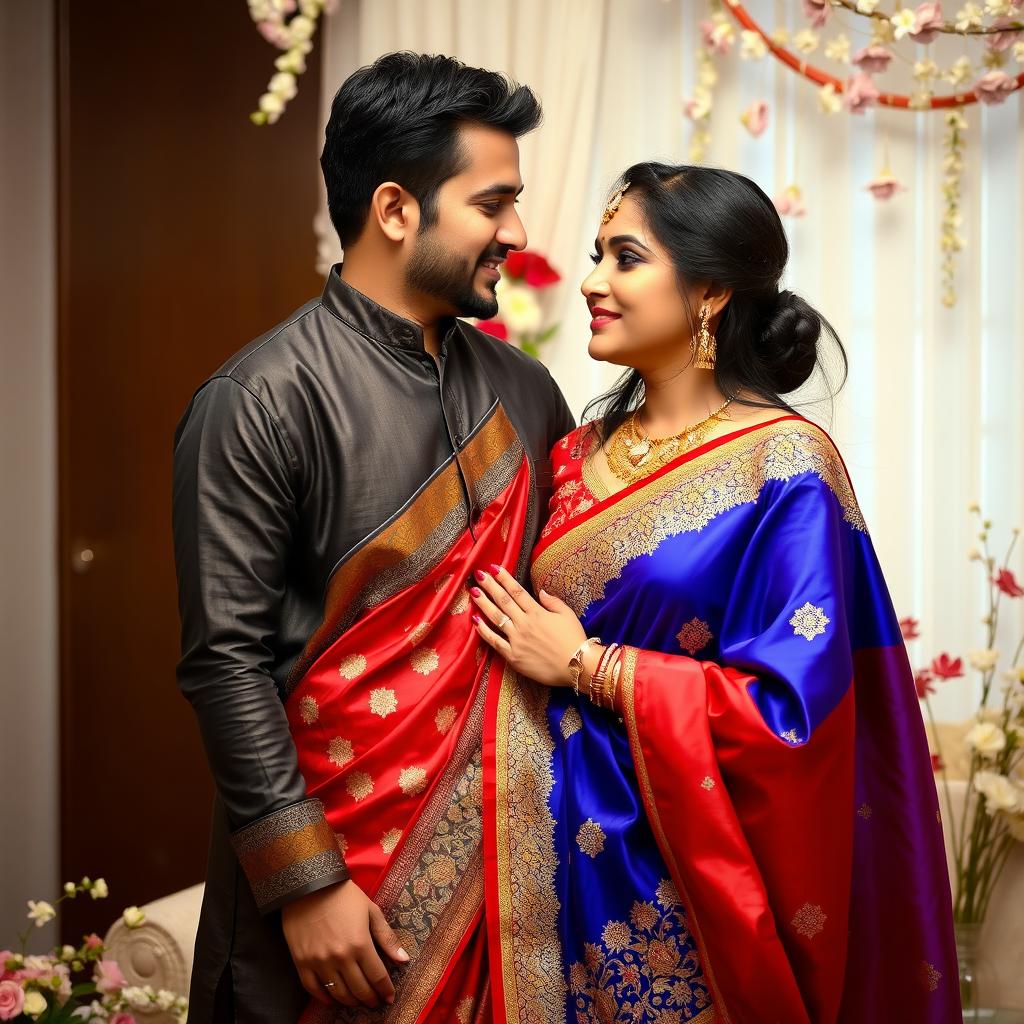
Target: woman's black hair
[(398, 119), (718, 226)]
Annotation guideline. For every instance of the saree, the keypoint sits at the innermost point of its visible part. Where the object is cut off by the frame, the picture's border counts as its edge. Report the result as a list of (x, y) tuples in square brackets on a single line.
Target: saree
[(387, 713), (756, 837)]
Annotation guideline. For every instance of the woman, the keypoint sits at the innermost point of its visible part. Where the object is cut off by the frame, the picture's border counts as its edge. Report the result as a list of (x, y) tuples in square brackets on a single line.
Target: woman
[(722, 809)]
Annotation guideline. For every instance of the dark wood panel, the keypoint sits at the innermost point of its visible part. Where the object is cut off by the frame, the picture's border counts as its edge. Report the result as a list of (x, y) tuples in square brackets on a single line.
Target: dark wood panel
[(184, 231)]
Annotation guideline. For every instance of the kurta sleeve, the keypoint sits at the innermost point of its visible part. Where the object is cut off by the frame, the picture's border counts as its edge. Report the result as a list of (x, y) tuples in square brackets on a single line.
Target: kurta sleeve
[(234, 518)]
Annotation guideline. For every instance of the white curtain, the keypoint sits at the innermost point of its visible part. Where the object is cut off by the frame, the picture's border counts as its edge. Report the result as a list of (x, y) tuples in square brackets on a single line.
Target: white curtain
[(933, 414)]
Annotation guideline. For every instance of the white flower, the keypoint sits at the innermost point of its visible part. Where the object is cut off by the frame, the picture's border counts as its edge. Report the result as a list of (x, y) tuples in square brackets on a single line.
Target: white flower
[(35, 1004), (920, 100), (99, 890), (271, 104), (983, 660), (283, 85), (165, 1000), (958, 74), (133, 917), (829, 101), (926, 70), (519, 307), (301, 28), (40, 912), (780, 37), (882, 31), (999, 8), (67, 952), (903, 22), (752, 46), (867, 6), (70, 888), (838, 48), (722, 35), (1018, 52), (806, 41), (292, 61), (986, 738), (999, 792), (969, 16)]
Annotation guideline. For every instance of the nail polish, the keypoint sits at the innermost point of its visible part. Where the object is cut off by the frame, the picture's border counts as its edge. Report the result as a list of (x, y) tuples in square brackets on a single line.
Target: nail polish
[(476, 620), (496, 569), (480, 575), (475, 591)]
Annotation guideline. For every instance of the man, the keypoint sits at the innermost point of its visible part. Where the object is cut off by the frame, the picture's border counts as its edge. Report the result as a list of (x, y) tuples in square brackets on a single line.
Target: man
[(335, 484)]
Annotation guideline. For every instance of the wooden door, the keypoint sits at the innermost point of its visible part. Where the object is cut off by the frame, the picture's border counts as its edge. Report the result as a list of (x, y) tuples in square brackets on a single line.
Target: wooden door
[(184, 231)]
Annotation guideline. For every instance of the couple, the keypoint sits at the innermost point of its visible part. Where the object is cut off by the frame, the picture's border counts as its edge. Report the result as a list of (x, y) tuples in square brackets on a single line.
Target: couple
[(518, 723)]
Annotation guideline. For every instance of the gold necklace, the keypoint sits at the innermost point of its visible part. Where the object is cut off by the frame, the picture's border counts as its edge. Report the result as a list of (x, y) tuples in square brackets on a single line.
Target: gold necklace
[(633, 455)]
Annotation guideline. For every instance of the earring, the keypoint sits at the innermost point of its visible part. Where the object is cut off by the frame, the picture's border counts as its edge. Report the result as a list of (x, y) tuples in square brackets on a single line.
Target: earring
[(705, 342)]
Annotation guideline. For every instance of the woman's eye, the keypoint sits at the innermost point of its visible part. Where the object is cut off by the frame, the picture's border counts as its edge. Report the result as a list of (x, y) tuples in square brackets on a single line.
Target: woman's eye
[(594, 258), (627, 258)]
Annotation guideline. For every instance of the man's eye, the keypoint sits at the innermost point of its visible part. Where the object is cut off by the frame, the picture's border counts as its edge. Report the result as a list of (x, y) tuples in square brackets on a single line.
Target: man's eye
[(490, 207)]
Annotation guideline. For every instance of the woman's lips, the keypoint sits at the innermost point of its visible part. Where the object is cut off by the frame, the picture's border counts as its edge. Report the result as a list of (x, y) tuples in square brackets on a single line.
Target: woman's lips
[(602, 318)]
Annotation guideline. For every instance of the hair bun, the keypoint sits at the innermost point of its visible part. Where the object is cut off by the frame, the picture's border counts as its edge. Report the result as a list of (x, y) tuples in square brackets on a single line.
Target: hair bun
[(789, 341)]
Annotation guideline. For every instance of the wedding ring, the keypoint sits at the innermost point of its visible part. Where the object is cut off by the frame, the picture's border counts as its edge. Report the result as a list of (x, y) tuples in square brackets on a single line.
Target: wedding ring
[(329, 984), (505, 619)]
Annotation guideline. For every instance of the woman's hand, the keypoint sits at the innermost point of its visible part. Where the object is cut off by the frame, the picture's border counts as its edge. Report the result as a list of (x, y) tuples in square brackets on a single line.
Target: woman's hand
[(537, 640)]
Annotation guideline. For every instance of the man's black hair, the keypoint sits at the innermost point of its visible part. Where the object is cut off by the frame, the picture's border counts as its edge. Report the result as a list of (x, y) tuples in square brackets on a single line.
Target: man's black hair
[(398, 119)]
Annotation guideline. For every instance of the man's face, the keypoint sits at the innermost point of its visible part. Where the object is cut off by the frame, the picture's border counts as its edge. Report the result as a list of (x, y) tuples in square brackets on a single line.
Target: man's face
[(455, 260)]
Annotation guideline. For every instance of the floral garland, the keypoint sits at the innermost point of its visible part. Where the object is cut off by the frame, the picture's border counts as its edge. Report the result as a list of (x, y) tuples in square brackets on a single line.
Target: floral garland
[(1003, 34), (289, 25)]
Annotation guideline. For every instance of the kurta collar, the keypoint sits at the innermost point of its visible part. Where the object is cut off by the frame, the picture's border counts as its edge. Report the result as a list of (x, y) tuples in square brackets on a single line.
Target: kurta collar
[(372, 319)]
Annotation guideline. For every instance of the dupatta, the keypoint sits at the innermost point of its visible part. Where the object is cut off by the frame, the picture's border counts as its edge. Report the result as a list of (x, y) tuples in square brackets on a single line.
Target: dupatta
[(757, 838)]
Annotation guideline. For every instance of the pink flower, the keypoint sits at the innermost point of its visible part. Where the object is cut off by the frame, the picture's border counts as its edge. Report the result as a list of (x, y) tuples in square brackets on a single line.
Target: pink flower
[(5, 955), (817, 11), (495, 328), (885, 186), (999, 41), (908, 627), (860, 93), (93, 941), (121, 1018), (1007, 583), (927, 22), (755, 118), (532, 267), (108, 977), (872, 59), (12, 999), (945, 667), (717, 41), (273, 33), (994, 87), (790, 202), (923, 680)]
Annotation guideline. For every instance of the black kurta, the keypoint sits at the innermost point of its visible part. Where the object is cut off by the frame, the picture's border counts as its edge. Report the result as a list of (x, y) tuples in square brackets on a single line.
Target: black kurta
[(288, 461)]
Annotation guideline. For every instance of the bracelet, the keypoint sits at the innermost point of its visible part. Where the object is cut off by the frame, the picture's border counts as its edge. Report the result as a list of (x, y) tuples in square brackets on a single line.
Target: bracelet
[(597, 680), (576, 661), (616, 672)]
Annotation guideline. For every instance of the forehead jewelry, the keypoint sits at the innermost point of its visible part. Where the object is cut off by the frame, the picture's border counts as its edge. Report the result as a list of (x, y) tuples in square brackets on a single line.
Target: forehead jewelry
[(613, 204)]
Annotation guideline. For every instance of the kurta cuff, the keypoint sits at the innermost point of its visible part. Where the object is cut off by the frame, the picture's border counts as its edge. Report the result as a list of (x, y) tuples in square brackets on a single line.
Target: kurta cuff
[(289, 853)]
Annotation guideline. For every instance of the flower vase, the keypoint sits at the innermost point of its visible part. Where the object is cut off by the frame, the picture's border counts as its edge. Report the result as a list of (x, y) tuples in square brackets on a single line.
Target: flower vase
[(973, 975)]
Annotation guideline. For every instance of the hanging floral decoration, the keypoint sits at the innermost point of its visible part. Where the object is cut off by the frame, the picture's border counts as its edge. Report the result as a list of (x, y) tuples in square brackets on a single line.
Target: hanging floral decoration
[(289, 25), (996, 25)]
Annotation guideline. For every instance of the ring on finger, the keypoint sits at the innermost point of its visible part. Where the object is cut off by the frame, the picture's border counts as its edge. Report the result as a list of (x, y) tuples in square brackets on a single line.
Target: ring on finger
[(329, 984), (505, 620)]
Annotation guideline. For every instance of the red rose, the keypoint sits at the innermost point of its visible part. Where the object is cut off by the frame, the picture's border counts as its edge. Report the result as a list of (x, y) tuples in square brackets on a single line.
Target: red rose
[(532, 267), (937, 765), (495, 328), (1006, 582), (923, 680), (945, 667), (908, 627)]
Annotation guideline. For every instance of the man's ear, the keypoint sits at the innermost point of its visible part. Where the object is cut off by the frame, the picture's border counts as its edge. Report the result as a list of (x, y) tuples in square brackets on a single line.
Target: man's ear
[(395, 212)]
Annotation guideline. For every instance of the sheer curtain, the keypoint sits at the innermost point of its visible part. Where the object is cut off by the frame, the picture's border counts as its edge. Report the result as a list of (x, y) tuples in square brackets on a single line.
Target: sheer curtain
[(932, 416)]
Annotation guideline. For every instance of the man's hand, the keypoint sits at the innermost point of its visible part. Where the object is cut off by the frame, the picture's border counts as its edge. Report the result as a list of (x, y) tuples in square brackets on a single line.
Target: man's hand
[(331, 935)]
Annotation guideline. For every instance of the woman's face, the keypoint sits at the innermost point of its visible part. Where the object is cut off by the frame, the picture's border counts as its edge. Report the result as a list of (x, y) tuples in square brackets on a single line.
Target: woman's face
[(639, 314)]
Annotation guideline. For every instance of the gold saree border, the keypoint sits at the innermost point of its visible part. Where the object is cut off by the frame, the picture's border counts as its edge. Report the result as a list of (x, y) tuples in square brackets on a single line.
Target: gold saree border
[(417, 539), (627, 690), (580, 564), (531, 956)]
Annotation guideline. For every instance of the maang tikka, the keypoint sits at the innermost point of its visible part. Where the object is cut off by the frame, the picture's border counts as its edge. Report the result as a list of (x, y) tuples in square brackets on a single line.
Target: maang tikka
[(613, 204)]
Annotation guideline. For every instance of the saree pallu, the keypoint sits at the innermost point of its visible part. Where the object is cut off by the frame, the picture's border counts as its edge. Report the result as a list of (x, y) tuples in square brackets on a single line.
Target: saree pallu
[(757, 839), (387, 714)]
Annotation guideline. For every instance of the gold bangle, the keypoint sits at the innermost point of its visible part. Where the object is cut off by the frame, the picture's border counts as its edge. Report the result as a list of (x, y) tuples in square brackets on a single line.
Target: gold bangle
[(597, 680), (616, 672), (576, 662)]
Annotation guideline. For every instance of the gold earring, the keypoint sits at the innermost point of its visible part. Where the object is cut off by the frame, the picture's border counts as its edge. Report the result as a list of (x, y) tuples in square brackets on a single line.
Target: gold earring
[(706, 344)]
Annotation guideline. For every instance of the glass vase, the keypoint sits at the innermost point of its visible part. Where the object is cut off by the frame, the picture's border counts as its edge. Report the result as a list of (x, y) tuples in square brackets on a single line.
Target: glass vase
[(974, 978)]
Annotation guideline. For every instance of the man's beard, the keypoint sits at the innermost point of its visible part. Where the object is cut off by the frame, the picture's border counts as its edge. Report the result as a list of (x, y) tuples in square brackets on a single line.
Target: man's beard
[(437, 271)]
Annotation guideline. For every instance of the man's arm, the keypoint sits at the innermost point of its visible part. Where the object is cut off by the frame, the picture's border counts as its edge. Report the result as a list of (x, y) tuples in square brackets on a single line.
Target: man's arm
[(234, 516)]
